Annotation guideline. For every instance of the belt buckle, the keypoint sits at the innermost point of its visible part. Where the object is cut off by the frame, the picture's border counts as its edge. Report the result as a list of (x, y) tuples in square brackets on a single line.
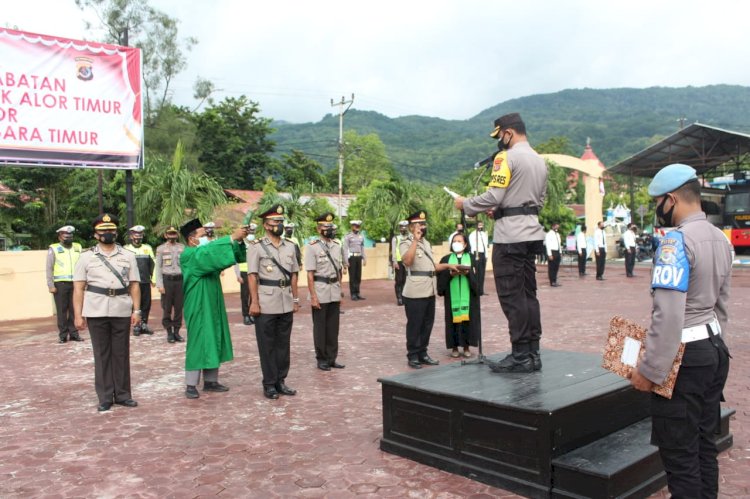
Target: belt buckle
[(332, 280), (282, 283), (111, 292)]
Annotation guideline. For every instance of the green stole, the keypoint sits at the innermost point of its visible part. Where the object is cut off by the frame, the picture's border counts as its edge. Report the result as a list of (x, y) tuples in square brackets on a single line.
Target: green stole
[(460, 290)]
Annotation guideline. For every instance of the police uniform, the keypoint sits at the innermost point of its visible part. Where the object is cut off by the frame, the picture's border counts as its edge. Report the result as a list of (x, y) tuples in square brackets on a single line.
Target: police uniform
[(628, 240), (169, 279), (240, 270), (276, 297), (103, 283), (552, 245), (324, 266), (354, 255), (289, 236), (478, 241), (516, 194), (399, 270), (419, 293), (600, 246), (144, 256), (62, 257), (690, 288)]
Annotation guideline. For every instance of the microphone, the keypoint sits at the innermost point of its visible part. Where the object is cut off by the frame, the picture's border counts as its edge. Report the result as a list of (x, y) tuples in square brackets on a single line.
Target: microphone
[(486, 161)]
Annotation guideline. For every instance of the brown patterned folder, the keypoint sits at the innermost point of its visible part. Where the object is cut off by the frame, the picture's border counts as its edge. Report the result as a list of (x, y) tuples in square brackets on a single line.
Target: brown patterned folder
[(626, 335)]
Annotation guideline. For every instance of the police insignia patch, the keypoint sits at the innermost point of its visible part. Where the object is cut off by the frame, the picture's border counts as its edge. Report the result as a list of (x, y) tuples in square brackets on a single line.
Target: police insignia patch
[(671, 266)]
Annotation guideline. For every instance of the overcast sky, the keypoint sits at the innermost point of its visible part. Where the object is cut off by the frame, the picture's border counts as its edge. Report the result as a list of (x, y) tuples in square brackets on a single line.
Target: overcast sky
[(448, 59)]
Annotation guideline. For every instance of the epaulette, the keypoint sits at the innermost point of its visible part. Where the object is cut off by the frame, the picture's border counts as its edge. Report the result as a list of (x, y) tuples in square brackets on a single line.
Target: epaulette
[(314, 241), (254, 241)]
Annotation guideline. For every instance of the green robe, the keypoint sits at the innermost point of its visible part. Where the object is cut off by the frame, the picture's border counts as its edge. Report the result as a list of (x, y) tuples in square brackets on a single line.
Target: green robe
[(208, 340)]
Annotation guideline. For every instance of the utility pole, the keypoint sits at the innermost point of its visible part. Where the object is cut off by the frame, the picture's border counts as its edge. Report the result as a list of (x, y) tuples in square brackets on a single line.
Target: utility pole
[(681, 120), (129, 173), (342, 112)]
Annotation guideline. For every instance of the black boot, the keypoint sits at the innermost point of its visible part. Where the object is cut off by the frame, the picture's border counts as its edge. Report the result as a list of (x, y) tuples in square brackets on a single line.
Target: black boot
[(137, 329), (145, 329), (536, 357), (519, 361), (177, 336), (170, 335)]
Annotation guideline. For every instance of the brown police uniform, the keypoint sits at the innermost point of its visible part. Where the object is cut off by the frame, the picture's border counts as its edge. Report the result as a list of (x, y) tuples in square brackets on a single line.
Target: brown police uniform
[(354, 255), (169, 278)]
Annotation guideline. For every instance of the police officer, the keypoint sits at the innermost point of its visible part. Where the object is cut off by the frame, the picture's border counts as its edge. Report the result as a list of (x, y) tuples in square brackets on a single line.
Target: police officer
[(272, 268), (398, 268), (600, 250), (323, 263), (144, 256), (240, 271), (581, 248), (552, 246), (106, 286), (289, 236), (479, 243), (62, 257), (690, 288), (629, 241), (515, 195), (354, 255), (419, 290), (169, 283)]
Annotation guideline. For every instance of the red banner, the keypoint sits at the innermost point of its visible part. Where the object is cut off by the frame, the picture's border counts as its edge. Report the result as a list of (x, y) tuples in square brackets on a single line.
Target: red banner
[(69, 103)]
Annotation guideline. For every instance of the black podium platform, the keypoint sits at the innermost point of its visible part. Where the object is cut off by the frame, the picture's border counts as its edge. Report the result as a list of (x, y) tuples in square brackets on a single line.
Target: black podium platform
[(515, 431)]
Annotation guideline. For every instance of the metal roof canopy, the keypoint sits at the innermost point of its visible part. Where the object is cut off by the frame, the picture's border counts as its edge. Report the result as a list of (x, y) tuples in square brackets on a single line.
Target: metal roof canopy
[(701, 146)]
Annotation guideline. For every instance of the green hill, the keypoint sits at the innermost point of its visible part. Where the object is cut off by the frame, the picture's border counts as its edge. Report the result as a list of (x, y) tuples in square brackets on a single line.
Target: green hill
[(620, 123)]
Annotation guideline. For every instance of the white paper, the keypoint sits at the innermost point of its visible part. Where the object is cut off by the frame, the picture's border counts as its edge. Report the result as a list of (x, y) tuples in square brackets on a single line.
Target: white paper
[(452, 194), (630, 351)]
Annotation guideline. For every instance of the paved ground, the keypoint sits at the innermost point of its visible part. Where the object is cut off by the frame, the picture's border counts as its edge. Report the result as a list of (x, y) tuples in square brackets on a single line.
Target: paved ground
[(321, 443)]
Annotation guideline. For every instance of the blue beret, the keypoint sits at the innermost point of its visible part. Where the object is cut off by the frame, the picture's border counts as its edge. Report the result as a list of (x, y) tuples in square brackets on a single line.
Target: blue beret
[(671, 178)]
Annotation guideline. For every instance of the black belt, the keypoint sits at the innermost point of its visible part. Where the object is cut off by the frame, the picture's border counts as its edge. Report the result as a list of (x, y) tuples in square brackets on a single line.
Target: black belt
[(175, 277), (281, 283), (107, 291), (517, 210), (329, 280), (422, 273)]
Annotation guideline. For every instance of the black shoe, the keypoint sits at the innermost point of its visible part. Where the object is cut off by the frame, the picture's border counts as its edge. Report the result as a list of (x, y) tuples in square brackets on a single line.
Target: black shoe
[(137, 330), (355, 297), (285, 390), (600, 279), (76, 338), (414, 364), (428, 361), (555, 285), (400, 301), (191, 392), (336, 365), (177, 336), (62, 340), (252, 319), (360, 297), (323, 366), (214, 386), (517, 362), (341, 311), (170, 335), (270, 393), (145, 329), (128, 403), (246, 320), (104, 406)]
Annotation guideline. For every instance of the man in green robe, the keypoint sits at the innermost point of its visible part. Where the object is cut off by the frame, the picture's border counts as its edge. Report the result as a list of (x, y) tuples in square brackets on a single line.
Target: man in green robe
[(208, 339)]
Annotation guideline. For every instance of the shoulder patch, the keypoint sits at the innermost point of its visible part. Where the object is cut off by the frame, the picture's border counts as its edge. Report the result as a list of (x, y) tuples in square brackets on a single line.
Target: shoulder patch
[(501, 174), (314, 241), (671, 266)]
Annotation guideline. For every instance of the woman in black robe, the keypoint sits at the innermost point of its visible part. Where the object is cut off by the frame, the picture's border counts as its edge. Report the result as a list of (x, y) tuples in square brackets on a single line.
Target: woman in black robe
[(464, 333)]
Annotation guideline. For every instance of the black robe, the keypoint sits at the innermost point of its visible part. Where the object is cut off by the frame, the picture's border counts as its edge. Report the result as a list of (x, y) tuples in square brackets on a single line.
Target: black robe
[(474, 332)]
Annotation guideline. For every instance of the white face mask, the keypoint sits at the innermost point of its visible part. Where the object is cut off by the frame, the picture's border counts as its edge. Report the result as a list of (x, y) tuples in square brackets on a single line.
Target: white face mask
[(202, 241), (457, 247), (250, 237)]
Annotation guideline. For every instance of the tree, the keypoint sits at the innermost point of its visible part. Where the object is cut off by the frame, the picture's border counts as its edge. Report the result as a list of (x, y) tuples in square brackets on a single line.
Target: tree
[(168, 194), (153, 31), (173, 124), (365, 161), (381, 205), (234, 143), (297, 171), (300, 209)]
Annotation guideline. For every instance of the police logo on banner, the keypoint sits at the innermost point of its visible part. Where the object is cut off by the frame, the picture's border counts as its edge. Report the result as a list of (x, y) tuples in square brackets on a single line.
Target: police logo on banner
[(671, 268)]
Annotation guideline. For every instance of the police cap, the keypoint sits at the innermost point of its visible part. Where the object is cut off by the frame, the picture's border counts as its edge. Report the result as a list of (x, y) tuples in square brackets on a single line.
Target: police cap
[(171, 230), (325, 219), (403, 223), (670, 178), (190, 227), (275, 212), (137, 228), (418, 216), (506, 121), (66, 228), (105, 221), (355, 222), (209, 225)]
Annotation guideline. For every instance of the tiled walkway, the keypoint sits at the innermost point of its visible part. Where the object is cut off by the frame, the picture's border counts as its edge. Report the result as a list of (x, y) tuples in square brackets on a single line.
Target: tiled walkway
[(322, 442)]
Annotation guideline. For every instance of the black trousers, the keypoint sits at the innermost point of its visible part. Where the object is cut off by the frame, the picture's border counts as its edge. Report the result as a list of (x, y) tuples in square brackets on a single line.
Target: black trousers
[(145, 300), (553, 266), (601, 259), (629, 261), (420, 316), (582, 263), (110, 341), (245, 298), (400, 279), (326, 331), (171, 303), (355, 274), (514, 266), (273, 333), (685, 426), (481, 259), (64, 310)]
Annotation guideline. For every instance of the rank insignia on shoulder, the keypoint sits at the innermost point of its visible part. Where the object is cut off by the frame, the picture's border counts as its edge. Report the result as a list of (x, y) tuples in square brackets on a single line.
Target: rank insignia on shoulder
[(314, 241)]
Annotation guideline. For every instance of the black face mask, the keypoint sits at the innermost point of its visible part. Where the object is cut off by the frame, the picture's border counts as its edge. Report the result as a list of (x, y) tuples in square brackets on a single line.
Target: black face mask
[(480, 229), (328, 233), (664, 219), (276, 230), (424, 231), (459, 231), (404, 232), (107, 238), (67, 241), (171, 239), (288, 232)]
